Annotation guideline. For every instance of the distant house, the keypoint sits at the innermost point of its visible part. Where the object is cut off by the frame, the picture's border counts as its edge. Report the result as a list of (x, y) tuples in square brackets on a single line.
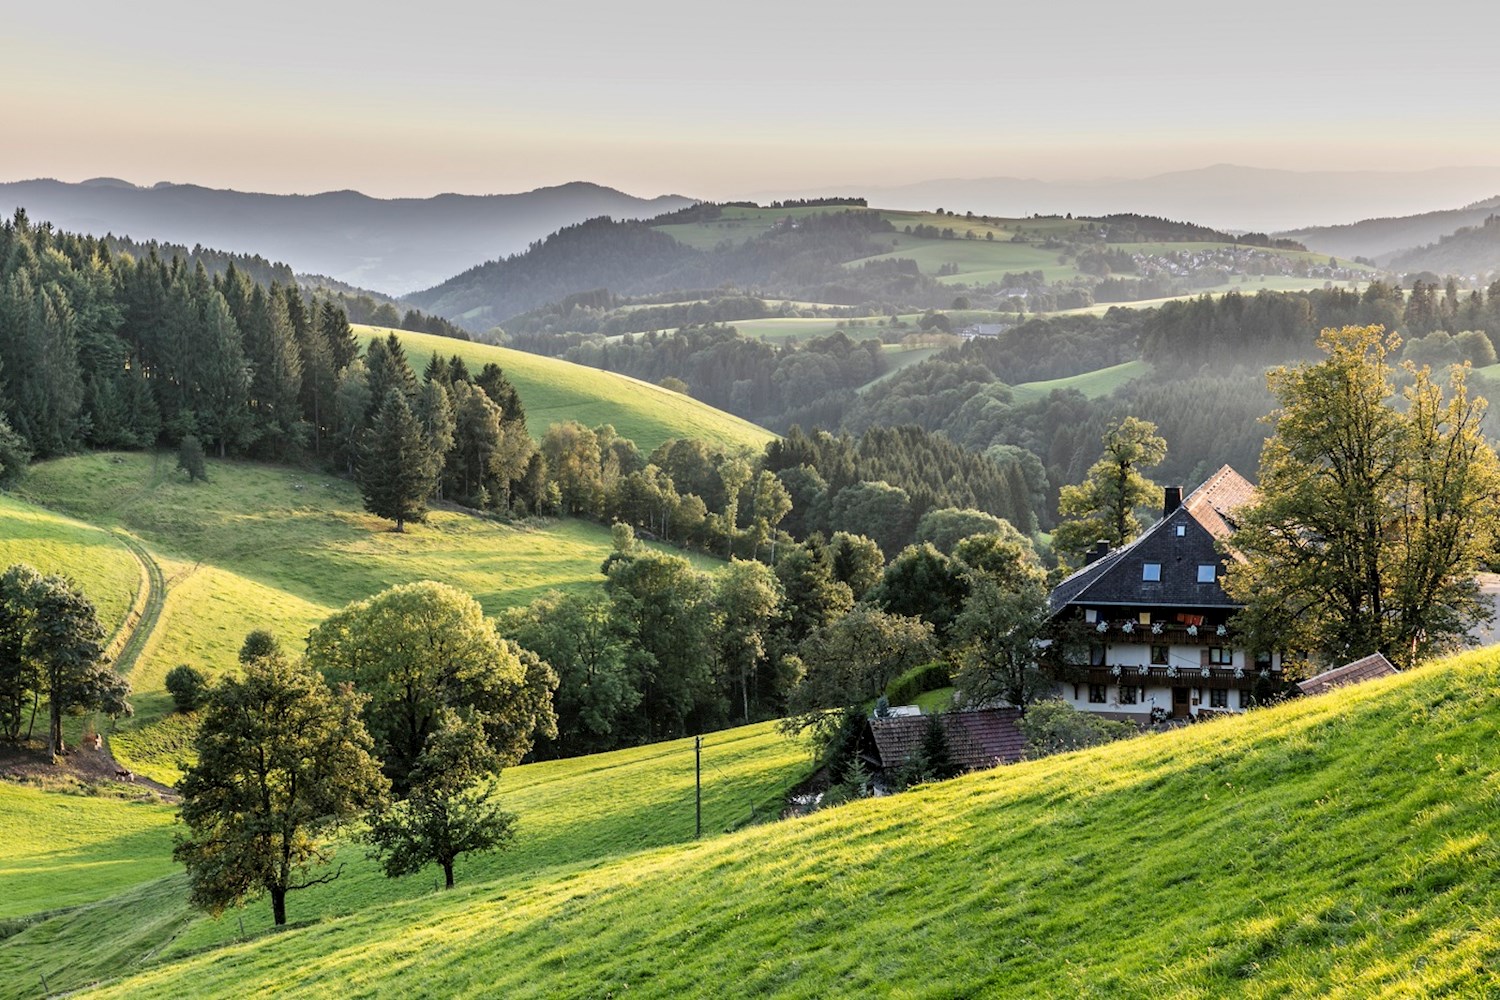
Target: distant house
[(1158, 616), (1367, 669), (974, 330), (976, 740)]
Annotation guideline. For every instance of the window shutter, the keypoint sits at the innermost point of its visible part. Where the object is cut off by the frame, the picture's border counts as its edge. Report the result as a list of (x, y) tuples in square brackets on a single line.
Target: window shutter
[(1204, 654)]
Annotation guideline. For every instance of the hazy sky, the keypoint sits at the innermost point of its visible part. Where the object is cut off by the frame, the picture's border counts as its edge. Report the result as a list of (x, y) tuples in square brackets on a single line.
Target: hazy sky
[(717, 100)]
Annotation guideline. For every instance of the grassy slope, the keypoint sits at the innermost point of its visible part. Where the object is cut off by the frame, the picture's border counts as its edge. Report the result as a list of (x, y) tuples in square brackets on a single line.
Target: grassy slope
[(553, 390), (1092, 384), (574, 815), (59, 850), (1341, 846), (274, 548), (53, 543)]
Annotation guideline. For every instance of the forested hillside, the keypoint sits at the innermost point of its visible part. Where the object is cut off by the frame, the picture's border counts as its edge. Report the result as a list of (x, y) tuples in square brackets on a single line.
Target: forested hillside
[(1471, 250), (1381, 239)]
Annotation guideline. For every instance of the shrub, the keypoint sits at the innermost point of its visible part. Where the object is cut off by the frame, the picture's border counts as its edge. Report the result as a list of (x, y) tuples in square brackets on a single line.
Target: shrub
[(187, 687), (1053, 726), (918, 680), (258, 645)]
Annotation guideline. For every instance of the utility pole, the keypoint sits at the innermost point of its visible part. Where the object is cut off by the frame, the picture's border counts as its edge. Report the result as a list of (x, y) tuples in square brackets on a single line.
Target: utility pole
[(698, 783)]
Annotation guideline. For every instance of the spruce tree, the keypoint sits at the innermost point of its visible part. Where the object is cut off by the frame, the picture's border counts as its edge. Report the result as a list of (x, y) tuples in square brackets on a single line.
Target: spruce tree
[(397, 468)]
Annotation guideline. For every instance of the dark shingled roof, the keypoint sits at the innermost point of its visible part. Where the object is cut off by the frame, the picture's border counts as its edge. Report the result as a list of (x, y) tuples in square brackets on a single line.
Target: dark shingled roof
[(1368, 669), (1116, 578), (976, 740)]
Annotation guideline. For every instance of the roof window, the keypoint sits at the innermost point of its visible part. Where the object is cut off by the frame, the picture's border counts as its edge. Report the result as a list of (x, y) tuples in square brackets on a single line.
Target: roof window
[(1151, 572)]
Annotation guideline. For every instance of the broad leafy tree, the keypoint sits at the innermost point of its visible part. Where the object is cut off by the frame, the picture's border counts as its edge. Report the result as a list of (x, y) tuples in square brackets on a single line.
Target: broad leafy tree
[(450, 810), (421, 648), (597, 687), (1104, 505), (281, 759), (1373, 515)]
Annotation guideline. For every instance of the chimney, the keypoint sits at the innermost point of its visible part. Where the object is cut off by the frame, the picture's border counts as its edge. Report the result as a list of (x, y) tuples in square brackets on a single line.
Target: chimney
[(1171, 500), (1099, 551)]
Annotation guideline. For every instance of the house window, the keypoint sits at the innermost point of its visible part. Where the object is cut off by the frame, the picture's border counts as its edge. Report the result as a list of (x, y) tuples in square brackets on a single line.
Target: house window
[(1159, 655), (1151, 572), (1221, 656), (1127, 694), (1144, 618), (1246, 698), (1096, 654), (1181, 530), (1218, 698), (1091, 615), (1207, 572), (1262, 661), (1096, 694)]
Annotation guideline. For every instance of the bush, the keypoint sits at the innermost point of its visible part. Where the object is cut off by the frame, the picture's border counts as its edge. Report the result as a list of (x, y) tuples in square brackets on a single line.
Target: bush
[(258, 645), (187, 687), (918, 680), (190, 459), (1053, 726)]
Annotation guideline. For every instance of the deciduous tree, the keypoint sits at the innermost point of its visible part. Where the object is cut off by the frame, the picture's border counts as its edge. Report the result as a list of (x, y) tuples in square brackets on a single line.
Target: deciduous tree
[(281, 758), (1372, 517)]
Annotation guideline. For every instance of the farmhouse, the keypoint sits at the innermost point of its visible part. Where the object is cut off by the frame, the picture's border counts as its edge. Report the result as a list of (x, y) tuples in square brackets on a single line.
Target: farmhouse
[(1157, 616)]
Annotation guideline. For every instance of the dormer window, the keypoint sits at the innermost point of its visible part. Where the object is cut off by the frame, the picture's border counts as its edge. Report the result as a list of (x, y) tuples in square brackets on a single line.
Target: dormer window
[(1151, 572), (1207, 572)]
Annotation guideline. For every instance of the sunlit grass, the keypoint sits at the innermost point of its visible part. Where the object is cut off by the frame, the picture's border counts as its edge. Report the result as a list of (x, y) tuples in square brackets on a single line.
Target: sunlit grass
[(553, 390), (1341, 846)]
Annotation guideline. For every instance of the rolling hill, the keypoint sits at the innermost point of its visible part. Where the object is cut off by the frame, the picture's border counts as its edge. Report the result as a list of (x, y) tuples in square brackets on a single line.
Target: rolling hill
[(1381, 239), (1470, 251), (260, 547), (1338, 846), (393, 245), (104, 865), (553, 390), (851, 255)]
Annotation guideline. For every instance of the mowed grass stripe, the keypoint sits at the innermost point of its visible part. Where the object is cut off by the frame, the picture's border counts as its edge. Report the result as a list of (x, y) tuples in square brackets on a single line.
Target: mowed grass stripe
[(553, 391), (1340, 846)]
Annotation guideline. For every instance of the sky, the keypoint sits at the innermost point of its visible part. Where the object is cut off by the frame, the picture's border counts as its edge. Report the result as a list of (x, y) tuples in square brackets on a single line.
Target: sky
[(720, 100)]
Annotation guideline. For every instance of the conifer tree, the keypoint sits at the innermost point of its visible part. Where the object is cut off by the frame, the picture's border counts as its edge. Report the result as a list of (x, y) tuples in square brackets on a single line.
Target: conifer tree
[(397, 469), (222, 404)]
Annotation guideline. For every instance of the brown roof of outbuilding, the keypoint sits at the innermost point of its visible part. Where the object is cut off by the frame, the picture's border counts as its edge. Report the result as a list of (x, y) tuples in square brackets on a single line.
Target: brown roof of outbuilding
[(1367, 669), (977, 739)]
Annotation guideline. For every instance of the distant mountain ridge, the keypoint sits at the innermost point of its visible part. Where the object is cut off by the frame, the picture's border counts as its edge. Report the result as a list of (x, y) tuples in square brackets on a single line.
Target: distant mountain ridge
[(1381, 240), (1225, 196), (393, 245)]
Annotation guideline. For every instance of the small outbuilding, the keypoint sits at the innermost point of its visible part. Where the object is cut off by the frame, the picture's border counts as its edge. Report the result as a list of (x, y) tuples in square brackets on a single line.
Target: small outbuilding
[(976, 739), (1367, 669)]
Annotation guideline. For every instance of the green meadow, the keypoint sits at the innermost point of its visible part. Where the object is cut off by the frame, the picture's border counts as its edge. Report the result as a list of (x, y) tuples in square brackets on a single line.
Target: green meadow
[(264, 547), (52, 543), (1340, 846), (1092, 384), (574, 815), (553, 390), (63, 850)]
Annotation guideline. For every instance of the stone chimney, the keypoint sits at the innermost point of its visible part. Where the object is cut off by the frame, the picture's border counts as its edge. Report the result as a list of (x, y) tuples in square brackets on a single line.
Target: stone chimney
[(1171, 499)]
